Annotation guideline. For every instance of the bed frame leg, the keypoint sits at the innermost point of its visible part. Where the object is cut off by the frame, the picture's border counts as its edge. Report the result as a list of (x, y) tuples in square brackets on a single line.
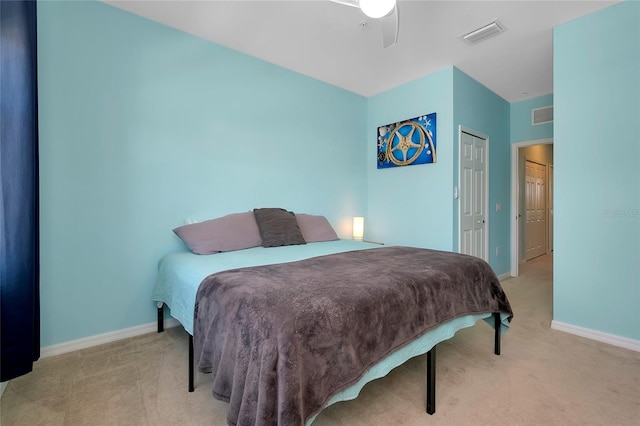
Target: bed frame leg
[(161, 318), (190, 363), (431, 381), (496, 317)]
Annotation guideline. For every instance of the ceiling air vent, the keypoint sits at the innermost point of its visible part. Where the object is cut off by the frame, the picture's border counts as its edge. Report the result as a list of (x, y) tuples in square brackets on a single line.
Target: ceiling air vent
[(491, 29), (541, 115)]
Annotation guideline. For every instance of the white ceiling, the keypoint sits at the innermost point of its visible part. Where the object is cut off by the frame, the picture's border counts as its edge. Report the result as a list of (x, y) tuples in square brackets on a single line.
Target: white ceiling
[(325, 40)]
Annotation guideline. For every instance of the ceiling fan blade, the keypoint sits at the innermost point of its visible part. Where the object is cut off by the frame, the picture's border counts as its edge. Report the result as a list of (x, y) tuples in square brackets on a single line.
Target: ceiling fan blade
[(389, 25), (353, 3)]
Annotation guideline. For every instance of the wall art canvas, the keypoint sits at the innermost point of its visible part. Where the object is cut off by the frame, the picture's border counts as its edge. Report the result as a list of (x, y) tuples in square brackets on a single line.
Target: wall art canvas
[(407, 142)]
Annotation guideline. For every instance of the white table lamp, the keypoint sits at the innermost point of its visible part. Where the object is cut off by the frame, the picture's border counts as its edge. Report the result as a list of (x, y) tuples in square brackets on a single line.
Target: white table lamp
[(358, 227)]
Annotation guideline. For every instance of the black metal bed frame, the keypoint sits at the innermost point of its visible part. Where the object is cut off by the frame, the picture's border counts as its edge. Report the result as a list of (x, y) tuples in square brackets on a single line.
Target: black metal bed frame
[(431, 360)]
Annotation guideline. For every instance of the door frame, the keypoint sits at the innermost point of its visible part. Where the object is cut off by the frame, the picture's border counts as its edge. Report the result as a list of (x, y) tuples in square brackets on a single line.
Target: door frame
[(515, 196), (479, 135)]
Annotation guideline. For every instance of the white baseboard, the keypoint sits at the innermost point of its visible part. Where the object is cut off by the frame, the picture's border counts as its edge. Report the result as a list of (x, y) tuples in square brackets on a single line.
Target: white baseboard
[(612, 339), (100, 339), (504, 276), (3, 386)]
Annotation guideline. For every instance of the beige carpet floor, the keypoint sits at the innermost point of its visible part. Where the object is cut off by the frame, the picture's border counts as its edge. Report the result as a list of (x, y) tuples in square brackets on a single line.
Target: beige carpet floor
[(543, 377)]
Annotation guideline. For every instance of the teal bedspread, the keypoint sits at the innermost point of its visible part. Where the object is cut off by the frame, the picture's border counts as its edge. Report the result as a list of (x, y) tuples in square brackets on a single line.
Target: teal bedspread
[(180, 273)]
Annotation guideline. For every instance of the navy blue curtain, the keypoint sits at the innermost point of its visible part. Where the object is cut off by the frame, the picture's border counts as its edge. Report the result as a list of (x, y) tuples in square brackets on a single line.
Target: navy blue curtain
[(19, 232)]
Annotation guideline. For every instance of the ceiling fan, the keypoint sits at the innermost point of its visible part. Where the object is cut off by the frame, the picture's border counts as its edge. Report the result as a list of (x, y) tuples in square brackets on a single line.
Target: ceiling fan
[(386, 11)]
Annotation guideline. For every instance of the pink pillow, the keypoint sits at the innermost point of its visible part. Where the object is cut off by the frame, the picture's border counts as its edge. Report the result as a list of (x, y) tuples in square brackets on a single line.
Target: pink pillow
[(235, 231), (315, 228)]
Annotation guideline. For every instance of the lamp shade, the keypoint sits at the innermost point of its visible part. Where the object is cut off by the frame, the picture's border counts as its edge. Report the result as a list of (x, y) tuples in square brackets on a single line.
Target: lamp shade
[(377, 8), (358, 228)]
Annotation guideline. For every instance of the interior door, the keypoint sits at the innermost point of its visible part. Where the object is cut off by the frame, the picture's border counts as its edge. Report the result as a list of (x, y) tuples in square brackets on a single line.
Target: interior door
[(535, 210), (550, 185), (473, 195)]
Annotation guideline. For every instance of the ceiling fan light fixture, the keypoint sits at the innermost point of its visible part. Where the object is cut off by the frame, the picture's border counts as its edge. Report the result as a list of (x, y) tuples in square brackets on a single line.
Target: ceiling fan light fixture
[(377, 8)]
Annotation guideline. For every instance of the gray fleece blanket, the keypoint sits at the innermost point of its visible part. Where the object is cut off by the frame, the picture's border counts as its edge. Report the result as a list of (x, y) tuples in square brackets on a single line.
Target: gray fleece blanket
[(281, 339)]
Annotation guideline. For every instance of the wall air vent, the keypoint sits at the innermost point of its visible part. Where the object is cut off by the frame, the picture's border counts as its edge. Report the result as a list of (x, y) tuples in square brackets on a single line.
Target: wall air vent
[(491, 29), (542, 115)]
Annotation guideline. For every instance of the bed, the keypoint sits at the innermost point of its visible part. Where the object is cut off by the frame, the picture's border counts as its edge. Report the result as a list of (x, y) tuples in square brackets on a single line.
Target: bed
[(287, 331)]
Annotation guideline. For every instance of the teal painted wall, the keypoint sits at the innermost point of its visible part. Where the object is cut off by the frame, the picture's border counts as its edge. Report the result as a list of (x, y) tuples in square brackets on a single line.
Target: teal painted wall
[(521, 128), (142, 126), (479, 109), (597, 163), (412, 205)]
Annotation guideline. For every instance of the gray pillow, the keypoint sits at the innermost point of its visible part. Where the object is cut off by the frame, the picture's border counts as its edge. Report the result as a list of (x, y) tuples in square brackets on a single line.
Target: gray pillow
[(278, 227), (236, 231), (315, 228)]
